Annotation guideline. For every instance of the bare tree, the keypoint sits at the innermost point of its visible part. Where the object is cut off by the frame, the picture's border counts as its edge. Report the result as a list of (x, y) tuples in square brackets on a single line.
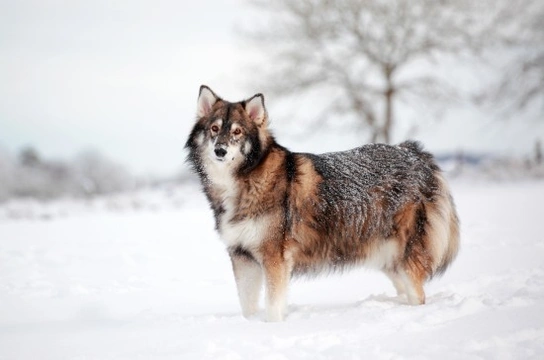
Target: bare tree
[(518, 29), (362, 51)]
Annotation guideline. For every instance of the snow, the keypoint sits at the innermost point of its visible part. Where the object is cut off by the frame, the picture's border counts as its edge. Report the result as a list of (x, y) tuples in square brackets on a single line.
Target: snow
[(154, 282)]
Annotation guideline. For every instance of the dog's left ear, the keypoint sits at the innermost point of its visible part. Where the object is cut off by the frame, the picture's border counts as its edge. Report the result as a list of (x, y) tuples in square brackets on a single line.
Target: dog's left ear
[(255, 109)]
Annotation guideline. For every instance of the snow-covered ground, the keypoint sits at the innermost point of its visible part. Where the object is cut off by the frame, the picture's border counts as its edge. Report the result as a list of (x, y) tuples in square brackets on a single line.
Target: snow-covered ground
[(154, 282)]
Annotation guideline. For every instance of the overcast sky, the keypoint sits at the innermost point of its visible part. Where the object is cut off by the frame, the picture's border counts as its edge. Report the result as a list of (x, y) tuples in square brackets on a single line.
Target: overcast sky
[(118, 76), (122, 77)]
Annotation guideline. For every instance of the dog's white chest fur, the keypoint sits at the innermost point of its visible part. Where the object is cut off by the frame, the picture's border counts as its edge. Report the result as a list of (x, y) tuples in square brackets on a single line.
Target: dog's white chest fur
[(248, 232)]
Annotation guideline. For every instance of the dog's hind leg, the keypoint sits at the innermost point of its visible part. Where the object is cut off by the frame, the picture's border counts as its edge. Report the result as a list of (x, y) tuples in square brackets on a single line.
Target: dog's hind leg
[(397, 281), (249, 279), (413, 267), (413, 284)]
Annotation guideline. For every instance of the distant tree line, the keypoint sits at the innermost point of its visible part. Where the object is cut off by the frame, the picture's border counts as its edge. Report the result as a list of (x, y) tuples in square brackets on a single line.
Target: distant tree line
[(27, 174)]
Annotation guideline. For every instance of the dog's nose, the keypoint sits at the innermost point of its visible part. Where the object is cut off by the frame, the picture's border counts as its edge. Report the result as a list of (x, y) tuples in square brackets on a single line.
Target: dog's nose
[(220, 152)]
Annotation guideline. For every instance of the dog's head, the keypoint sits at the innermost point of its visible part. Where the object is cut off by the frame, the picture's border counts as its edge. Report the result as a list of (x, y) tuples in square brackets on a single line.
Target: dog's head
[(229, 135)]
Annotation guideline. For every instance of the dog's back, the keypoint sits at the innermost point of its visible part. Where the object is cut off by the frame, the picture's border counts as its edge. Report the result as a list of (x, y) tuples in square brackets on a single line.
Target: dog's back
[(377, 205)]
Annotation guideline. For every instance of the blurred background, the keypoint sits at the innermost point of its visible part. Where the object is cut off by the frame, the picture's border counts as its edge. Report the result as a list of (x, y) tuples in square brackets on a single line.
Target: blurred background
[(98, 97)]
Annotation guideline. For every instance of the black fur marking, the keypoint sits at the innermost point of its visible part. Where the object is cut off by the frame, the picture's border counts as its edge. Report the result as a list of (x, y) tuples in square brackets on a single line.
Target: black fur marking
[(253, 158), (227, 121), (193, 158), (288, 219), (290, 166), (223, 138), (291, 172), (239, 251), (218, 210)]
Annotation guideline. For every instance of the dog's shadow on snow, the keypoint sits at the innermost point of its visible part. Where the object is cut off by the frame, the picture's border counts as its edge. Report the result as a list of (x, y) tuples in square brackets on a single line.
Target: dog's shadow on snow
[(381, 301), (371, 303)]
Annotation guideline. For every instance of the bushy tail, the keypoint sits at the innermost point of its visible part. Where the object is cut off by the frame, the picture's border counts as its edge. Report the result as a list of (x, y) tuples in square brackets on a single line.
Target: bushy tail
[(443, 228)]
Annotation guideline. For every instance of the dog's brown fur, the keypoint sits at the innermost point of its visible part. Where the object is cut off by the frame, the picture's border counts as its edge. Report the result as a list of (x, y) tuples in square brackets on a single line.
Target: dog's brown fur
[(282, 213)]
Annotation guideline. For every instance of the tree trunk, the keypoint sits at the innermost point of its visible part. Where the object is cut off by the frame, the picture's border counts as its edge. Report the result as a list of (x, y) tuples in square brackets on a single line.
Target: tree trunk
[(388, 98), (388, 116), (375, 136), (538, 152)]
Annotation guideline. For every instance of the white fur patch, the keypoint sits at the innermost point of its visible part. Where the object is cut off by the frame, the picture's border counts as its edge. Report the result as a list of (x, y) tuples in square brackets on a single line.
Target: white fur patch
[(413, 297), (249, 280), (248, 233), (199, 139), (276, 305), (218, 172), (383, 255), (246, 147)]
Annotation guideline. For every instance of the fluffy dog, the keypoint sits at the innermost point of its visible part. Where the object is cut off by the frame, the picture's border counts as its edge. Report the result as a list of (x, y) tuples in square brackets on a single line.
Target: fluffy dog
[(282, 213)]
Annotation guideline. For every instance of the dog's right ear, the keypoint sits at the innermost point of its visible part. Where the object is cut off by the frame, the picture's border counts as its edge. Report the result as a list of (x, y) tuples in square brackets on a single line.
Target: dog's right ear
[(206, 99)]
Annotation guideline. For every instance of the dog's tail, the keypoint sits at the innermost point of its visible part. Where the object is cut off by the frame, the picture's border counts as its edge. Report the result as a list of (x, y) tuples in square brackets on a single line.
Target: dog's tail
[(443, 228), (442, 223)]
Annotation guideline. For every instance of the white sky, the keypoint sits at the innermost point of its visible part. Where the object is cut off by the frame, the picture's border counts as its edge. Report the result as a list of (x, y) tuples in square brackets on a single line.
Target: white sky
[(122, 77), (118, 76)]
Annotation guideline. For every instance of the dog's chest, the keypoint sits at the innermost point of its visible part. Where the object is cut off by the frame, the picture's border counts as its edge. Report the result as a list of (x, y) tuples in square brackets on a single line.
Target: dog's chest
[(247, 232)]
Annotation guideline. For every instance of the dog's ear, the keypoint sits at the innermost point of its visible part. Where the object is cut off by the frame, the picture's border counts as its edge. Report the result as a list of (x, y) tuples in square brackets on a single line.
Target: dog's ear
[(255, 108), (206, 99)]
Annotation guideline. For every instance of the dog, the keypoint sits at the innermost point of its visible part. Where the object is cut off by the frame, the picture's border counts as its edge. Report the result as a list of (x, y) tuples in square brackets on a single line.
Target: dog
[(283, 214)]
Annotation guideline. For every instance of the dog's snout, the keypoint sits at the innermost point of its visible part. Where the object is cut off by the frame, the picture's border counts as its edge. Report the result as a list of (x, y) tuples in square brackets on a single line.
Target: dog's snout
[(220, 152)]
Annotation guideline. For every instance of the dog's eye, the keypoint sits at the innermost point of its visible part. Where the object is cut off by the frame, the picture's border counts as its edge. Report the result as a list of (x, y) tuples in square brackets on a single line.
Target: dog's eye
[(215, 128), (237, 131)]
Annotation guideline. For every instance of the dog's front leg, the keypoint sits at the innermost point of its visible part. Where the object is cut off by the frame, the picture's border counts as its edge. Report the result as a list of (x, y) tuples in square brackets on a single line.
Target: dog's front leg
[(249, 280), (277, 276)]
